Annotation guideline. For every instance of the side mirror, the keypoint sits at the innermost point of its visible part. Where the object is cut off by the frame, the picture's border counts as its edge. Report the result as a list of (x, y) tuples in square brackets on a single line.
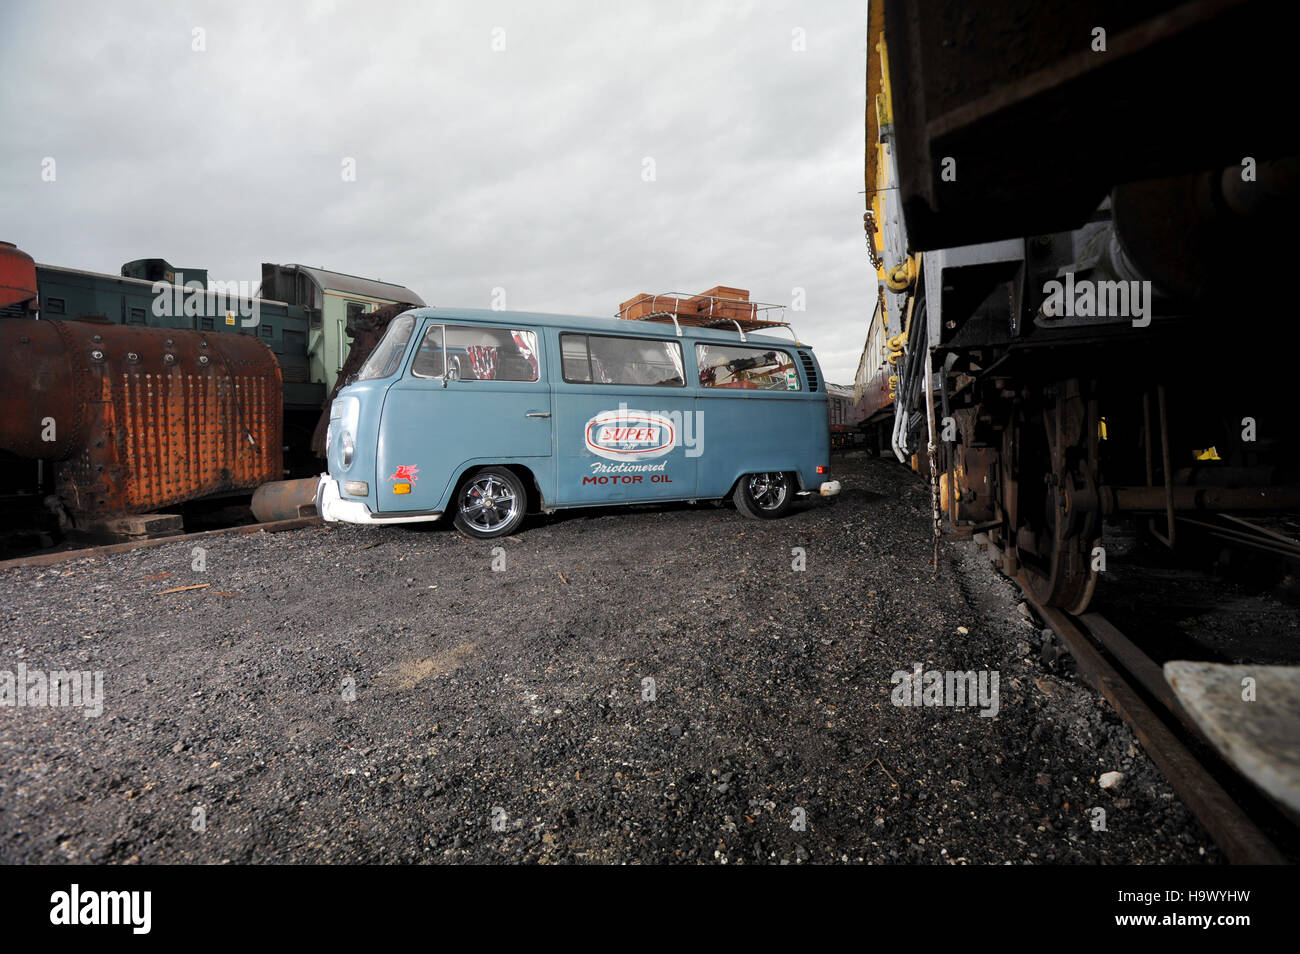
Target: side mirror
[(452, 372)]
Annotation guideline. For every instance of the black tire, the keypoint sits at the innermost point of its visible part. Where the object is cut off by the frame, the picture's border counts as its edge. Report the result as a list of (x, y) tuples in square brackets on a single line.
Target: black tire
[(507, 503), (765, 496)]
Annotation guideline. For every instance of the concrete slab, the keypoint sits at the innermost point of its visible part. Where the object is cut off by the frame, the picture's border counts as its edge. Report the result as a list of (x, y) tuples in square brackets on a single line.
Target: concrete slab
[(1255, 726)]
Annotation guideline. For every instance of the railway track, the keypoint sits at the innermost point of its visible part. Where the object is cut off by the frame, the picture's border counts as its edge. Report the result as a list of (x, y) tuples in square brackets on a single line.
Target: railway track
[(1134, 684), (81, 553)]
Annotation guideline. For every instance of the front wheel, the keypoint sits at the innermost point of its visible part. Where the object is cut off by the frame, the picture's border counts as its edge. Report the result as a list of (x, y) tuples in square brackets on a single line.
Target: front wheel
[(765, 496), (491, 503)]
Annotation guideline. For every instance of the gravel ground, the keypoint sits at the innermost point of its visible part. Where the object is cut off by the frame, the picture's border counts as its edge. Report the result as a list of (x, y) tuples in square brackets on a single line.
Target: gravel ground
[(502, 716)]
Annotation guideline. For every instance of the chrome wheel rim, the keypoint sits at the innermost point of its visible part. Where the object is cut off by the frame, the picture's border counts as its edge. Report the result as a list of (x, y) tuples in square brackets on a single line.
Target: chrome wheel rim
[(768, 491), (488, 503)]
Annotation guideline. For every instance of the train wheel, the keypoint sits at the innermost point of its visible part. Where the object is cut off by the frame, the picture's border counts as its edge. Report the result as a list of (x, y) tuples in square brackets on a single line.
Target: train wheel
[(1057, 519)]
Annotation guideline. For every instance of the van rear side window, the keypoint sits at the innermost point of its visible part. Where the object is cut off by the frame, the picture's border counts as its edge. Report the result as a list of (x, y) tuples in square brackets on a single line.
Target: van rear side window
[(477, 353), (610, 359), (729, 366)]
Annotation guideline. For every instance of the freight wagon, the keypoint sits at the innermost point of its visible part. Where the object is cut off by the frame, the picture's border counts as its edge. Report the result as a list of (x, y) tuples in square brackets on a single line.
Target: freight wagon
[(1088, 294)]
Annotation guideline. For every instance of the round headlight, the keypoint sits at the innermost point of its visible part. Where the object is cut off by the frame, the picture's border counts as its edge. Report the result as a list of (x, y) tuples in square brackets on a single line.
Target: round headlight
[(347, 448)]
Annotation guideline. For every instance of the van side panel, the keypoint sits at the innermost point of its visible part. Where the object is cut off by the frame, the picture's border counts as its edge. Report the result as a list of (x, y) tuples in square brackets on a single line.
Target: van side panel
[(758, 432), (621, 443), (432, 433)]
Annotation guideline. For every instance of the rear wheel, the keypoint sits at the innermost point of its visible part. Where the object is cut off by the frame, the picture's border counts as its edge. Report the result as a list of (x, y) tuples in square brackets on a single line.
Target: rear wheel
[(765, 496), (491, 503)]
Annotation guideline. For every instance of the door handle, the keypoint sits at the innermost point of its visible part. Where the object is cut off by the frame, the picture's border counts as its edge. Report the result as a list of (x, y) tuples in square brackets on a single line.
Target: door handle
[(538, 414)]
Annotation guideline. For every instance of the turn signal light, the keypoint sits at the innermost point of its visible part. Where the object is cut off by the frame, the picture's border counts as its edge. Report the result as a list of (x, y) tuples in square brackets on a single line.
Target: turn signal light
[(357, 488), (821, 468), (402, 488)]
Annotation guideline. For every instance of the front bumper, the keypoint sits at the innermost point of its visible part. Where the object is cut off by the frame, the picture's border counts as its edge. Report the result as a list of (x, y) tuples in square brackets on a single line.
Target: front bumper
[(334, 509)]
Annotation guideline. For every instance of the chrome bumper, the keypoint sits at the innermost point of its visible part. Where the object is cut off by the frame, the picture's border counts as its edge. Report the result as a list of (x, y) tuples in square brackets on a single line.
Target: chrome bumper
[(334, 509)]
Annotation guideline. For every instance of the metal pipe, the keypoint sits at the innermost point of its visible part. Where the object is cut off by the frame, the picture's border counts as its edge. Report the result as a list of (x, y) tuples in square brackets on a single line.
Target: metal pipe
[(1155, 499), (285, 500), (1168, 471), (1241, 538), (1289, 541)]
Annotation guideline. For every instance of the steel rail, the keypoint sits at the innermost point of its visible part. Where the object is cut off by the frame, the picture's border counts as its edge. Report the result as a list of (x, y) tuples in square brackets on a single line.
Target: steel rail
[(81, 553), (1239, 838)]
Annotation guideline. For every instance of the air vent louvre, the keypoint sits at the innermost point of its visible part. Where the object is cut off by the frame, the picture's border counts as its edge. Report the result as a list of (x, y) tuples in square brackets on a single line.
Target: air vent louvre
[(809, 370)]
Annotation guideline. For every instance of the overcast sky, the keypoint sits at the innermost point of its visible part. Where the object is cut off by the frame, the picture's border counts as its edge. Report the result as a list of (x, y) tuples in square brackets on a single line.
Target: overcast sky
[(476, 167)]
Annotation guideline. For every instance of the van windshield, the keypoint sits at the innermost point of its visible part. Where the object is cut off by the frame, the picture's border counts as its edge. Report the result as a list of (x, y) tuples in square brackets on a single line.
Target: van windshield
[(387, 355)]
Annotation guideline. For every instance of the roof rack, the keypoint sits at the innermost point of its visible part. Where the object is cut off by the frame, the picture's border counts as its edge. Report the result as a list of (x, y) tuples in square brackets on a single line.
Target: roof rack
[(706, 311)]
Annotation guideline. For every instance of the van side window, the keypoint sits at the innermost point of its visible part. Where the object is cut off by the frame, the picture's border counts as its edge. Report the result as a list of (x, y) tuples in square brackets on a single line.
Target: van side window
[(610, 359), (577, 364), (428, 360), (729, 366), (477, 353)]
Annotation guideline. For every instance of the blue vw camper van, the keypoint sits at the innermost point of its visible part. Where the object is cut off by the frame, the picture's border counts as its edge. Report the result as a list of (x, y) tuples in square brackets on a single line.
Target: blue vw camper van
[(487, 416)]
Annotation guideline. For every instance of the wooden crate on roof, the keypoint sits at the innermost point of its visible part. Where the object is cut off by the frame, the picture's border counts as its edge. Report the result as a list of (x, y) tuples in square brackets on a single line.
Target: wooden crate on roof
[(644, 305), (725, 291), (721, 309), (722, 306)]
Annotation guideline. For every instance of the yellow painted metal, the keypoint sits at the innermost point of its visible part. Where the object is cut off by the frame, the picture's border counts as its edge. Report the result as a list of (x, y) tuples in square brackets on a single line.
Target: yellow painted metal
[(900, 276), (879, 114), (884, 101)]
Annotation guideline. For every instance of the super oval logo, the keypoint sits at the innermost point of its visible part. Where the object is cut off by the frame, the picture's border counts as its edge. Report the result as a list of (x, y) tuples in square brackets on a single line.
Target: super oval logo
[(630, 435)]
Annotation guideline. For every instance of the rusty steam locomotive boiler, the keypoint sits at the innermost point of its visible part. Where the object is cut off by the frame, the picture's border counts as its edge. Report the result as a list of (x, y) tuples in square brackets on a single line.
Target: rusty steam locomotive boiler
[(136, 419)]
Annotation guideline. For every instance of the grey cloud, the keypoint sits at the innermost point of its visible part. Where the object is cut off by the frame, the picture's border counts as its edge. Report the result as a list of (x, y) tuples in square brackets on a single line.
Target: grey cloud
[(475, 169)]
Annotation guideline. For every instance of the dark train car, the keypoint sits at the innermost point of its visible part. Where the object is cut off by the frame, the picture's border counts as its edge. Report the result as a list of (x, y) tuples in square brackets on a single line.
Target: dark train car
[(1082, 218)]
